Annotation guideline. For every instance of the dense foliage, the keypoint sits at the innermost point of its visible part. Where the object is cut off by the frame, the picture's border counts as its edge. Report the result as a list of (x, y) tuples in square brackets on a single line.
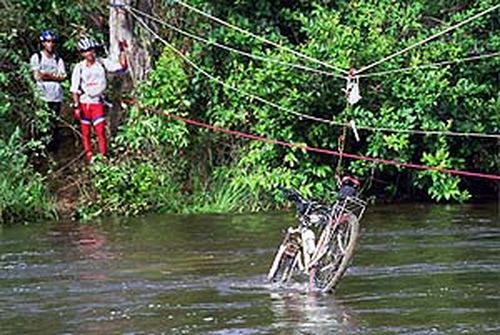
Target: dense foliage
[(24, 118), (462, 97), (164, 165)]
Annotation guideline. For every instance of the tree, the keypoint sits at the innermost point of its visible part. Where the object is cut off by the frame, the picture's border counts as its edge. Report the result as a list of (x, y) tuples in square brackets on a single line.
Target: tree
[(121, 28)]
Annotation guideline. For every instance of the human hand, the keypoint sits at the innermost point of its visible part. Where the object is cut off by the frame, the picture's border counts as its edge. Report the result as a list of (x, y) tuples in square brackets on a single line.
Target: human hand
[(44, 76), (77, 113), (50, 76), (122, 45)]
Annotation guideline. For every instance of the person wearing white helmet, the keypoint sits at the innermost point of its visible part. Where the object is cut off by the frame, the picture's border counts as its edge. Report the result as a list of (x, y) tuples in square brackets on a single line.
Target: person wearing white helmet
[(88, 83), (49, 71)]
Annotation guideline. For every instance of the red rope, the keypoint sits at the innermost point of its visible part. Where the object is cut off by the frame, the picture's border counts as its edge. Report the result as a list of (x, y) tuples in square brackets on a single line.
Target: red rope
[(326, 151)]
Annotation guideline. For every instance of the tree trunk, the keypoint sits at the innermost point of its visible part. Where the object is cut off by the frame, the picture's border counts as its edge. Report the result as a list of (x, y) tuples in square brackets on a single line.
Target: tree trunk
[(121, 27)]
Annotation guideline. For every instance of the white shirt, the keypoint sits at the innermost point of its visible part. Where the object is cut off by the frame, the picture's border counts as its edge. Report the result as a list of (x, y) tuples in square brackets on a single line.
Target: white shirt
[(51, 91), (90, 80)]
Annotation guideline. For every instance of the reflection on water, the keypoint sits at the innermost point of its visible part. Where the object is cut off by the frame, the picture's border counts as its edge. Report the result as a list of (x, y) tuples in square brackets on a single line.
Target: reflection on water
[(88, 240), (311, 313), (417, 270)]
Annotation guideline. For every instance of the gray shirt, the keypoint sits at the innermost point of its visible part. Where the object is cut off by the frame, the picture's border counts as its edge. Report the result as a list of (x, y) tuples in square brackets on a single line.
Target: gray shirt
[(51, 91), (90, 81)]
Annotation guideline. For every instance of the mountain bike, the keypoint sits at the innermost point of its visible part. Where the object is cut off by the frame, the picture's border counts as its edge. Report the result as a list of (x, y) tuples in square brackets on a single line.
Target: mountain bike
[(323, 260)]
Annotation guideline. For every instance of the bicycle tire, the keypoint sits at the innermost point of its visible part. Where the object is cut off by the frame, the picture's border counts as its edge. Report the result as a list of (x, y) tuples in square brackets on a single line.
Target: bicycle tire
[(331, 267), (284, 271), (275, 266)]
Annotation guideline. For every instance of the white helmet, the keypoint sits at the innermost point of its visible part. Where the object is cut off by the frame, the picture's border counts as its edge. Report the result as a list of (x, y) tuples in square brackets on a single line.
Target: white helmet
[(86, 43)]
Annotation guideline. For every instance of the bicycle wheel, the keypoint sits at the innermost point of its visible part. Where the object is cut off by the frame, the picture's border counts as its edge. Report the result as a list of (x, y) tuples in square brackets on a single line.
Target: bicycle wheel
[(273, 270), (285, 269), (340, 249)]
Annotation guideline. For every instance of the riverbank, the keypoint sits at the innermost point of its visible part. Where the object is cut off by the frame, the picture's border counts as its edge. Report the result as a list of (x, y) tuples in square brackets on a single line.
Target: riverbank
[(75, 190), (74, 193)]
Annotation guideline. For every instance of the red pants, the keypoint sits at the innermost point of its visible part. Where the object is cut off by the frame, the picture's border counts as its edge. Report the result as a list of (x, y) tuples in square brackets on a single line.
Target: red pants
[(93, 115)]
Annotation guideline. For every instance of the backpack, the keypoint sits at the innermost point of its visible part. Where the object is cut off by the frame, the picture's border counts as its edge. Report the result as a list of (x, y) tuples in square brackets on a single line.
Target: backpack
[(56, 57), (81, 72)]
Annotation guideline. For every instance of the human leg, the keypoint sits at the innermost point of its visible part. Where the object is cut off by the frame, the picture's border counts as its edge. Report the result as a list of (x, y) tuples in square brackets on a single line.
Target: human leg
[(99, 122), (55, 108), (100, 130), (85, 126)]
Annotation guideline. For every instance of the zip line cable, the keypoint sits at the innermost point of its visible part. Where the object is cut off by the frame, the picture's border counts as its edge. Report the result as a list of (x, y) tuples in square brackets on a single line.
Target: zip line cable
[(219, 81), (301, 115), (428, 39), (231, 49), (267, 140), (303, 67), (220, 21), (432, 65), (260, 38)]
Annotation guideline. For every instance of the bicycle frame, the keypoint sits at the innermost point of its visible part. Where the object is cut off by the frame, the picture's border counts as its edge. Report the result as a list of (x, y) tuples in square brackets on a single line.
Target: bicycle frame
[(326, 259), (299, 242), (340, 212)]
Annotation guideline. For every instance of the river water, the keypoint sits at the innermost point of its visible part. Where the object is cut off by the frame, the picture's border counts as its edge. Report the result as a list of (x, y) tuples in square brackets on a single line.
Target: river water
[(417, 270)]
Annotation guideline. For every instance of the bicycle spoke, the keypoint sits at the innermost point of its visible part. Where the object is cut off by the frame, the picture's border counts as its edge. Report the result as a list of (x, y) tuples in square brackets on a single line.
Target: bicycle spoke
[(340, 243), (334, 262), (336, 229)]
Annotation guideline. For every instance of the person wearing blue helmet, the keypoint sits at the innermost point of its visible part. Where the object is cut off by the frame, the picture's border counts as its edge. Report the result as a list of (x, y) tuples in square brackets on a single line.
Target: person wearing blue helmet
[(49, 71)]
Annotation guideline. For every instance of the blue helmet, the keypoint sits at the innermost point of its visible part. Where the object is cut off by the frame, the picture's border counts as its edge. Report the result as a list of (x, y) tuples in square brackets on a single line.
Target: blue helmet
[(47, 35)]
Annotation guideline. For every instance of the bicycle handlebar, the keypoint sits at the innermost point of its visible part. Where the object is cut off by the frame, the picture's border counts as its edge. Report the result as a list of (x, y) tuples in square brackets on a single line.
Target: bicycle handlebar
[(291, 194), (302, 204), (294, 196)]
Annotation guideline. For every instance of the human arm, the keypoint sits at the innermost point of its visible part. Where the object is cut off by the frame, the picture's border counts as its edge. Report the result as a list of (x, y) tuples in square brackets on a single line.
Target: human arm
[(77, 111), (58, 74), (76, 99), (121, 65), (122, 57), (46, 76), (75, 91), (35, 66)]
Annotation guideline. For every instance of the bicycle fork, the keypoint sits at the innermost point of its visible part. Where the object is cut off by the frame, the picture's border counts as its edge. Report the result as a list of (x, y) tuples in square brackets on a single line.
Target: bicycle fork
[(308, 248)]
